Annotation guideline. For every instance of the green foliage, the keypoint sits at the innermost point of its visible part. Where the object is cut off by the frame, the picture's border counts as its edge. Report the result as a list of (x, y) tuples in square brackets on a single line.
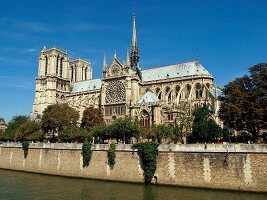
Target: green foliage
[(13, 127), (91, 117), (244, 101), (86, 152), (57, 116), (148, 152), (29, 130), (163, 131), (111, 155), (204, 128), (101, 132), (73, 133), (25, 147), (123, 129)]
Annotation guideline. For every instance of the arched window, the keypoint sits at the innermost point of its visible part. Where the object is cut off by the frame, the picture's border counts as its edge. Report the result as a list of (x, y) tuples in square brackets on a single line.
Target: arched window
[(188, 90), (207, 90), (198, 91), (177, 90), (85, 73), (145, 119), (75, 74), (167, 89), (46, 65), (82, 73), (170, 97), (57, 66), (61, 67), (72, 74)]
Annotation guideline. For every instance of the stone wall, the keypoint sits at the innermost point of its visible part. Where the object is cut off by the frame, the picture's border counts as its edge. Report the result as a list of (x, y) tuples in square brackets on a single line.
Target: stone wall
[(233, 167)]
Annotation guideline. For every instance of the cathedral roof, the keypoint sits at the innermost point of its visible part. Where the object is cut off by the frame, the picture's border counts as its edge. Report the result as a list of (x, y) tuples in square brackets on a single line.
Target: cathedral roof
[(147, 98), (193, 68), (89, 85)]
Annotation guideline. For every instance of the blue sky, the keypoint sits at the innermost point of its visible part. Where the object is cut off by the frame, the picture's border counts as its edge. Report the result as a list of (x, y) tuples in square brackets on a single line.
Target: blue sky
[(230, 37)]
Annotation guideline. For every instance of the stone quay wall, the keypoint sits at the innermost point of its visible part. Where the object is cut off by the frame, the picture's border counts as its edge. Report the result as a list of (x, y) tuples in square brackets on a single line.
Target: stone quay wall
[(217, 166)]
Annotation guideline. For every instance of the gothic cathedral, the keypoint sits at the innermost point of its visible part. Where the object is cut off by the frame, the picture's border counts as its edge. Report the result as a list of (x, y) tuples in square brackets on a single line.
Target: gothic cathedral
[(152, 96)]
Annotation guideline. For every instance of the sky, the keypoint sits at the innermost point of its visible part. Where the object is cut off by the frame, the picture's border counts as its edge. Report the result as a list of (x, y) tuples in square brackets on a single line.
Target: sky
[(230, 36)]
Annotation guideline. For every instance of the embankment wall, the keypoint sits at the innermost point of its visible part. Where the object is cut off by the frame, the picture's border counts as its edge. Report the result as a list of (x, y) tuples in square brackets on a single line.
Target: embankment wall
[(231, 167)]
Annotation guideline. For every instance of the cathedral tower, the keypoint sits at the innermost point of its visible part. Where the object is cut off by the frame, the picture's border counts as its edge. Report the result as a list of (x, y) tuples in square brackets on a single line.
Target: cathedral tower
[(52, 82)]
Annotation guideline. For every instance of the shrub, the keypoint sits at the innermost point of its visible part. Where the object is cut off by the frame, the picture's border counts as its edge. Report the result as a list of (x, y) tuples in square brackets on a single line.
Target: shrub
[(25, 147), (148, 152), (86, 152), (111, 155)]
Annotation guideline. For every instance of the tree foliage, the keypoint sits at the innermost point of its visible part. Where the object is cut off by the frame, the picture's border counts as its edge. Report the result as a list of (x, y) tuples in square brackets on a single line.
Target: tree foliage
[(244, 101), (163, 131), (57, 116), (204, 127), (101, 132), (73, 133), (123, 129), (91, 117), (13, 127), (29, 130)]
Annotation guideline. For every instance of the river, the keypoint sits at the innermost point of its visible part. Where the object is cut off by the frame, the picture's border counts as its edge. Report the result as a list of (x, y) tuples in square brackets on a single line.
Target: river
[(21, 185)]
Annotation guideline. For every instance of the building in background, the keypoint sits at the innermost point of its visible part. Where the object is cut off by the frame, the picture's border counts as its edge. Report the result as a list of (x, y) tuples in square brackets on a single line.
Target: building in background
[(152, 96), (3, 125)]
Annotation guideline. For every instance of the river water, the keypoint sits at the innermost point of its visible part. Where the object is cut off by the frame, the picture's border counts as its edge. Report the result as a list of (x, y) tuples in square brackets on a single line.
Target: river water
[(21, 185)]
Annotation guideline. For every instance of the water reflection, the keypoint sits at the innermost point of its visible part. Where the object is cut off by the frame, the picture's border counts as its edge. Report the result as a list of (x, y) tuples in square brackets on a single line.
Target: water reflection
[(19, 185)]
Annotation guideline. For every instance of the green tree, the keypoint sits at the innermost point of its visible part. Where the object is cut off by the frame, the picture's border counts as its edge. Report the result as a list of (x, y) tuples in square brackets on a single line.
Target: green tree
[(29, 130), (123, 129), (244, 101), (91, 117), (204, 128), (57, 116), (163, 131), (101, 132), (73, 133), (13, 127)]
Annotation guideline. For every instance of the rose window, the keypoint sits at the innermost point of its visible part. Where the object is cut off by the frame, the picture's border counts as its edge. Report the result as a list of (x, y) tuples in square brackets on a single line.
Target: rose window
[(115, 92)]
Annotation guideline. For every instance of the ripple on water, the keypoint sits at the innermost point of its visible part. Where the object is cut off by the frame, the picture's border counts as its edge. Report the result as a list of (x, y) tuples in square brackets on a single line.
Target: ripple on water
[(25, 186)]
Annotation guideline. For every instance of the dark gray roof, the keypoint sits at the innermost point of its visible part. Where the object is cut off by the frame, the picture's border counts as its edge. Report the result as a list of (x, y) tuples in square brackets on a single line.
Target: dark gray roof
[(84, 86), (193, 68)]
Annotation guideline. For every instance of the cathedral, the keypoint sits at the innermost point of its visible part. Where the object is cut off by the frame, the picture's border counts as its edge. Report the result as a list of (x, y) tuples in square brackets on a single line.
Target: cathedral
[(152, 96)]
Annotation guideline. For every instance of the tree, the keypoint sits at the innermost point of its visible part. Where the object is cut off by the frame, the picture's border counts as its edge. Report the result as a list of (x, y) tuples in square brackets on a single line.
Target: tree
[(244, 102), (101, 132), (163, 131), (183, 122), (91, 117), (204, 127), (29, 130), (13, 127), (123, 129), (57, 116), (73, 133)]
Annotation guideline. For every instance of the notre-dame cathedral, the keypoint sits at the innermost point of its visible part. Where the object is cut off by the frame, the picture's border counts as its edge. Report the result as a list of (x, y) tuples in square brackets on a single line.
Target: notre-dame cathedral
[(153, 96)]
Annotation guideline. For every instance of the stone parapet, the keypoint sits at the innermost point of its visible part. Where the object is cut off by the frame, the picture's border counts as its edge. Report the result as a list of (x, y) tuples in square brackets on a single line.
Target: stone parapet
[(194, 148)]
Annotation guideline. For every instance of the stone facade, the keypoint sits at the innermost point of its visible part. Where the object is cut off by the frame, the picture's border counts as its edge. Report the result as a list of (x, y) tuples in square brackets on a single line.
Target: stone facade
[(153, 96), (230, 167)]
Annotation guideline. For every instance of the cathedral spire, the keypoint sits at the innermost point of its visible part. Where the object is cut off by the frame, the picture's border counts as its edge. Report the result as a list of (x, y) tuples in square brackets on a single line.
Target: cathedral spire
[(134, 38), (134, 59)]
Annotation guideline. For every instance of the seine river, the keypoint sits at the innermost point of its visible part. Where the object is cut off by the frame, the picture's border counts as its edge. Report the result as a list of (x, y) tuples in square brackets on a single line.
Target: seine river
[(20, 185)]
